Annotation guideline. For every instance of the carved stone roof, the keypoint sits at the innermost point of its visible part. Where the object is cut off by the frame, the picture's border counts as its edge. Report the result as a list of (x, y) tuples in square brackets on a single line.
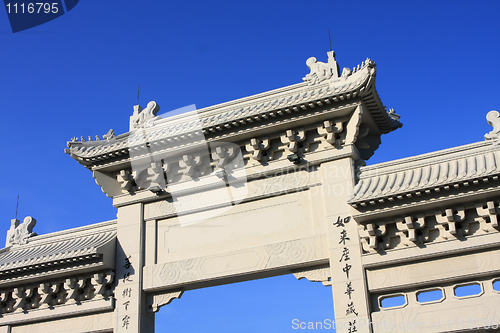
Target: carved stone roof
[(71, 250), (231, 119), (422, 174)]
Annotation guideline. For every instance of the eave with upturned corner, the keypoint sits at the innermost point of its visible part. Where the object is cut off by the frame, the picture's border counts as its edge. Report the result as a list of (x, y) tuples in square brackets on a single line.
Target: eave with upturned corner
[(247, 117)]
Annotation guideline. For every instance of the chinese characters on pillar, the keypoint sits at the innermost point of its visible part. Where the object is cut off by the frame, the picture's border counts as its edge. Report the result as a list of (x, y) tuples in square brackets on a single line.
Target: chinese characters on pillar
[(127, 292), (344, 257)]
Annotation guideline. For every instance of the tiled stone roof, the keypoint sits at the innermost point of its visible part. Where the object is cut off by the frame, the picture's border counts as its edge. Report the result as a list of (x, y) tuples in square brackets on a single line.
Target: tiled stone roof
[(59, 248), (255, 108), (455, 167)]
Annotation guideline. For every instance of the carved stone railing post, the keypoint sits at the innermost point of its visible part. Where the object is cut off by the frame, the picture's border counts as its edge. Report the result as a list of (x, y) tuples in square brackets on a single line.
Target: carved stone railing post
[(449, 218)]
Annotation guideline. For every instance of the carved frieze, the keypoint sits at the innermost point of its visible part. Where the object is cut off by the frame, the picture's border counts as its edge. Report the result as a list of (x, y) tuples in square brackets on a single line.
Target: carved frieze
[(219, 158), (429, 227), (50, 294)]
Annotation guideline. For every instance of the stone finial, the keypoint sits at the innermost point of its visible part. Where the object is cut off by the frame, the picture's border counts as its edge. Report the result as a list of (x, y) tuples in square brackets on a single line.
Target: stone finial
[(321, 71), (493, 118), (140, 117), (19, 234)]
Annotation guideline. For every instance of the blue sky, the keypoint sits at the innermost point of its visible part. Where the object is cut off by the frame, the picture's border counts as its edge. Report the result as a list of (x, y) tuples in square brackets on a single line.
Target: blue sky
[(77, 76)]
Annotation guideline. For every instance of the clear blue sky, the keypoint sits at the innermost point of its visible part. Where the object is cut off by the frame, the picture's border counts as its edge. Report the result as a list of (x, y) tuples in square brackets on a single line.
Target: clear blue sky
[(77, 76)]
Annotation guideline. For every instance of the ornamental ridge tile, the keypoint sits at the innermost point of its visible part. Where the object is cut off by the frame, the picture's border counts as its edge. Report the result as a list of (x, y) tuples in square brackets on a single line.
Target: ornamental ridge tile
[(427, 171)]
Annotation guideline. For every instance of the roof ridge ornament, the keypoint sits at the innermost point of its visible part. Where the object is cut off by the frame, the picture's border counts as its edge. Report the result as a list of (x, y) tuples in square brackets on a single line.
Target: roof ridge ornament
[(493, 118), (19, 234), (140, 117), (321, 71), (108, 136)]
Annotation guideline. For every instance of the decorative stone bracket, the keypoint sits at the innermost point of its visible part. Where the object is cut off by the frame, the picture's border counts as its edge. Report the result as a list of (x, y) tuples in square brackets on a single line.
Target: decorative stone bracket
[(292, 138), (52, 293), (224, 154), (257, 146), (157, 300), (372, 232), (317, 274), (25, 298), (410, 225), (329, 131), (489, 212), (101, 283), (147, 177), (355, 132), (450, 217), (189, 163), (126, 180), (6, 301)]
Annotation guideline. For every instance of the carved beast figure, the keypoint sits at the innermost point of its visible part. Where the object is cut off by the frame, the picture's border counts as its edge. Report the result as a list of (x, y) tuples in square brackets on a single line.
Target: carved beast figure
[(19, 234)]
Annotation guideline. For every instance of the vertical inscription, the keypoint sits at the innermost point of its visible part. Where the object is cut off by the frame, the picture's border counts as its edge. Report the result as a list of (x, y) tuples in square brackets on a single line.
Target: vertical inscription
[(344, 255), (127, 291)]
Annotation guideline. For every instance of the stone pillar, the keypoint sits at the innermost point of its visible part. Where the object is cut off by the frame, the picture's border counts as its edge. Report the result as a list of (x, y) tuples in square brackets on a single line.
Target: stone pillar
[(130, 309), (348, 279)]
